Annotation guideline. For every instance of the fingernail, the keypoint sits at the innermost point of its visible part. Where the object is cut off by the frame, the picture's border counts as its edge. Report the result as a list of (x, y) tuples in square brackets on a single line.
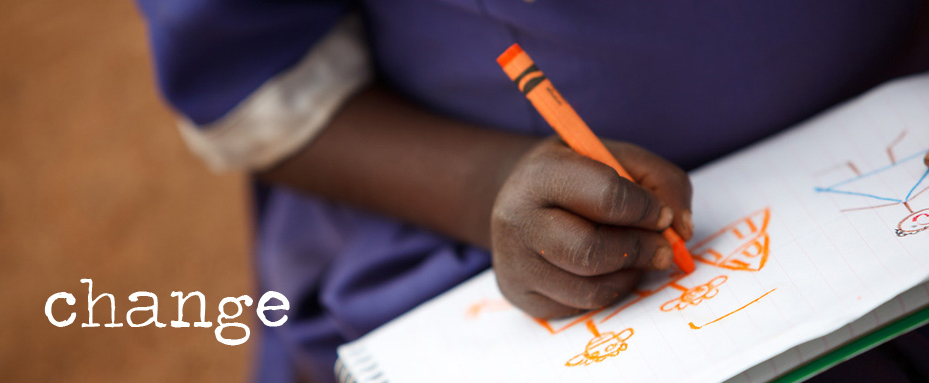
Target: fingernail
[(662, 258), (688, 224), (665, 218)]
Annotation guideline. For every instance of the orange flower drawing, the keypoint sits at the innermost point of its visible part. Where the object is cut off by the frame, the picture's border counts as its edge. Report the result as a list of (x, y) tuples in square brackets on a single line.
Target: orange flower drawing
[(693, 296)]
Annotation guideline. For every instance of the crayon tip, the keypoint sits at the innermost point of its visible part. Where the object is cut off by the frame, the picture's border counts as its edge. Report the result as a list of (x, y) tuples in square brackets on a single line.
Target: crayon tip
[(509, 54), (682, 257)]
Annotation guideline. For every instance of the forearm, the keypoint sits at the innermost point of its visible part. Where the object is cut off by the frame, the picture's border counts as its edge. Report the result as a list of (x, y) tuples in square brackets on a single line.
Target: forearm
[(389, 156)]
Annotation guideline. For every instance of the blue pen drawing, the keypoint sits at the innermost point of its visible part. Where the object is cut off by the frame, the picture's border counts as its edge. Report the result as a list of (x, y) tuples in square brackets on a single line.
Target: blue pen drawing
[(909, 175)]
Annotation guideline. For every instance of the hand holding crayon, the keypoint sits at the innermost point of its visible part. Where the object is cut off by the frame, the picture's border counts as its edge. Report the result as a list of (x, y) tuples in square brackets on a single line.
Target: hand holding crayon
[(568, 233), (572, 129)]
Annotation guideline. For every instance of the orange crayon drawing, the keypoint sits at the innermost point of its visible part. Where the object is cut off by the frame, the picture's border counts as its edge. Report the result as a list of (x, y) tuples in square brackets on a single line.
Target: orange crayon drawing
[(548, 325), (694, 296), (486, 305), (602, 346), (870, 190), (642, 294), (638, 298), (743, 245), (695, 327)]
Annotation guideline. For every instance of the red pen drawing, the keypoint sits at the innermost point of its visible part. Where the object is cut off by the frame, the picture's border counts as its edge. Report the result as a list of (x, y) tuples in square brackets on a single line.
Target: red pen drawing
[(694, 296), (913, 223), (743, 245), (603, 346), (899, 183)]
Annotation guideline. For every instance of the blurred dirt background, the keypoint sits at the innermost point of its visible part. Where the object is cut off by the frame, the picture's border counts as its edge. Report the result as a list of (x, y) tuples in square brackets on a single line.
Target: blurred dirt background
[(96, 183)]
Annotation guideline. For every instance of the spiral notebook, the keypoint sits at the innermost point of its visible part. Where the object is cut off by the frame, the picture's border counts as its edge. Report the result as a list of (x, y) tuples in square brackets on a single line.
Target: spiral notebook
[(811, 243)]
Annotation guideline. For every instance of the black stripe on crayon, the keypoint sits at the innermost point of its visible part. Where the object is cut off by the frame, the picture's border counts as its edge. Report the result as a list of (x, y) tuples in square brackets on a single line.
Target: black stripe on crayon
[(530, 69), (532, 83)]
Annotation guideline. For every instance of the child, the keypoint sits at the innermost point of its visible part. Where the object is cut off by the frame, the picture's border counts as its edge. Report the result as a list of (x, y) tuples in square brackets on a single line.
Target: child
[(393, 158)]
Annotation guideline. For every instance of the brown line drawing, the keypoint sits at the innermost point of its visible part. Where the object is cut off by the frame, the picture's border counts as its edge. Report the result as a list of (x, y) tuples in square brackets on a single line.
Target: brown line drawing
[(854, 168), (918, 193), (695, 327), (867, 207), (890, 148), (915, 221), (848, 164)]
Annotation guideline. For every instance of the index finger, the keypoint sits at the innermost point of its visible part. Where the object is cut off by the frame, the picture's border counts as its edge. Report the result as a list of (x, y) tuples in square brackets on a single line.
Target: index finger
[(595, 191), (661, 177)]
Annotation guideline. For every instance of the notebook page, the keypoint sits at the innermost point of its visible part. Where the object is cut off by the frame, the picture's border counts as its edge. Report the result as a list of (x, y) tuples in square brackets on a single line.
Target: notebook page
[(795, 237), (910, 301)]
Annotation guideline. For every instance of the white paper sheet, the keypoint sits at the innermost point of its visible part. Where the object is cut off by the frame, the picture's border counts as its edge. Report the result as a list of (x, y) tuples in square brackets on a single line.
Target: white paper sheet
[(797, 237)]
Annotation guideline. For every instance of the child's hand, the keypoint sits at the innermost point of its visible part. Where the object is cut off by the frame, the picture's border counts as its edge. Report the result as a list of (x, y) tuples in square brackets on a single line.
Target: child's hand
[(569, 234), (455, 178)]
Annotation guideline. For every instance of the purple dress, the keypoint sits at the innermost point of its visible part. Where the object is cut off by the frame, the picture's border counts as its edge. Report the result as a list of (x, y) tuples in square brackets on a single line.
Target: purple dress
[(690, 81)]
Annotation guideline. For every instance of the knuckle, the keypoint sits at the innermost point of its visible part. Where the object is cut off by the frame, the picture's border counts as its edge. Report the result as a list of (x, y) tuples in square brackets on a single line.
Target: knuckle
[(522, 300), (612, 197), (503, 216), (583, 251), (543, 154), (506, 290), (644, 206), (538, 309), (636, 246), (516, 270), (595, 295), (548, 310), (510, 215), (511, 288), (535, 310), (537, 164), (504, 226)]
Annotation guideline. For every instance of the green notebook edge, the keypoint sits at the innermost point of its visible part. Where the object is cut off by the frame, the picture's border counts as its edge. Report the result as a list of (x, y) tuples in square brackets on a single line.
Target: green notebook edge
[(856, 347)]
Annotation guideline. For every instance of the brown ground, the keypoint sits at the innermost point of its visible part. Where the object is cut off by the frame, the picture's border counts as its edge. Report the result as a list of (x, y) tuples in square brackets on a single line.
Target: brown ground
[(96, 183)]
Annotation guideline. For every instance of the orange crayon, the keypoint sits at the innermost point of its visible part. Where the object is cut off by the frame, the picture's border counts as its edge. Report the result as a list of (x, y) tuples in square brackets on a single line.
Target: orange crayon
[(572, 129)]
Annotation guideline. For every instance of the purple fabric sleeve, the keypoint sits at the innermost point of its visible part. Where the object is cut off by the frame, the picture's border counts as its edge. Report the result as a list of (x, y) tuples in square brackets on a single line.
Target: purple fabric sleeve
[(211, 54)]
